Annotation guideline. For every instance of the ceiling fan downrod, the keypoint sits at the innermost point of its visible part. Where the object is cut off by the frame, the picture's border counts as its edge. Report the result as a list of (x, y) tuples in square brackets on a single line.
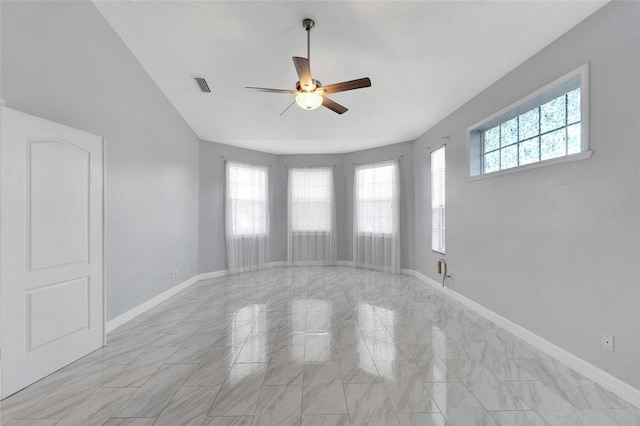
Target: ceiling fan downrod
[(308, 25)]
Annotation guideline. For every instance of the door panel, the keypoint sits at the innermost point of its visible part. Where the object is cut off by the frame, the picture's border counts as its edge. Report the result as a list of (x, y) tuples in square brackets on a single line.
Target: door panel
[(57, 170), (51, 247), (56, 311)]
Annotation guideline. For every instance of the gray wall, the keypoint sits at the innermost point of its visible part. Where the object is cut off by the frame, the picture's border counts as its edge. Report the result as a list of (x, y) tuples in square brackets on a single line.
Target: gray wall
[(62, 61), (540, 247)]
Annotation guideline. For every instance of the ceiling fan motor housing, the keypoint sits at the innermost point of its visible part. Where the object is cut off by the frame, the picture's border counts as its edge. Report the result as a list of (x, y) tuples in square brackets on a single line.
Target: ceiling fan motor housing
[(316, 85)]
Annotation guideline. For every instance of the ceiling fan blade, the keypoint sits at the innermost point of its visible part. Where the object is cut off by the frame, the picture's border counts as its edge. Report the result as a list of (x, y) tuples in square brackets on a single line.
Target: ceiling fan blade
[(333, 106), (347, 85), (287, 108), (304, 72), (264, 89)]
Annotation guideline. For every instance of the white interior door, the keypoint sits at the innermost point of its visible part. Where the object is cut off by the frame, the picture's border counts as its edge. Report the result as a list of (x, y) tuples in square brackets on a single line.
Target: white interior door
[(51, 247)]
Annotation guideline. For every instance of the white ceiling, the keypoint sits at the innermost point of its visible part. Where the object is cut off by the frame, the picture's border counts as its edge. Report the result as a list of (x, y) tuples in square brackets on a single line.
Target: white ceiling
[(425, 59)]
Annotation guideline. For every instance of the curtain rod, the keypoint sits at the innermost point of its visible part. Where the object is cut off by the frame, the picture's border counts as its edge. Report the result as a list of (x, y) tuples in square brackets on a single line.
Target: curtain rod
[(444, 138), (378, 162), (243, 162), (286, 166)]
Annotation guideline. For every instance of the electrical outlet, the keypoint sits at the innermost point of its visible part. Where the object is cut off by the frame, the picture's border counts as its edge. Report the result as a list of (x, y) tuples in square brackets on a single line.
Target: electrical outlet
[(174, 273), (607, 342)]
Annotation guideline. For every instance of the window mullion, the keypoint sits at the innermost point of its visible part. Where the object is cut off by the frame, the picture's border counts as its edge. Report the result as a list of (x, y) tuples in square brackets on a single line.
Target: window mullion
[(518, 141), (566, 124), (500, 147), (482, 147), (539, 134)]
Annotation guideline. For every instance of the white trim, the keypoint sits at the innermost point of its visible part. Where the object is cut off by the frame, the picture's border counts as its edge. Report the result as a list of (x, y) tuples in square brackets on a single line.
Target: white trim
[(104, 242), (584, 107), (583, 155), (151, 303), (590, 371), (523, 105), (122, 319), (311, 263), (211, 275), (255, 268), (582, 71), (379, 268), (3, 104)]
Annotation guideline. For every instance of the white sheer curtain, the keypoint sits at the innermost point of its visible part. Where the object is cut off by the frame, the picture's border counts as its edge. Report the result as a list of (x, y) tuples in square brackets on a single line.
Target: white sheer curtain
[(311, 216), (376, 216), (246, 216)]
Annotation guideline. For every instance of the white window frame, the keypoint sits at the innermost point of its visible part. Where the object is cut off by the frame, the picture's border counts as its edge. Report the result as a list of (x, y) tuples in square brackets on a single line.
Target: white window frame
[(570, 81), (358, 200), (265, 225), (294, 229), (438, 192)]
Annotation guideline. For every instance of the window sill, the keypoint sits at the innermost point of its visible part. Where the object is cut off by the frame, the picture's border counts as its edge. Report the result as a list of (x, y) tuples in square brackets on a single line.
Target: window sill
[(311, 233), (584, 155), (374, 235)]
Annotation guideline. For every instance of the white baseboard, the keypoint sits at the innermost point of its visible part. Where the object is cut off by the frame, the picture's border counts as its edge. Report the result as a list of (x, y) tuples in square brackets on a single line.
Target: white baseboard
[(311, 263), (352, 264), (211, 275), (122, 319), (590, 371), (254, 268)]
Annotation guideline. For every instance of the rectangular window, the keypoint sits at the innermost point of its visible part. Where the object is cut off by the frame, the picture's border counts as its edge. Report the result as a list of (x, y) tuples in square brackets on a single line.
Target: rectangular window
[(247, 194), (438, 169), (548, 131), (547, 125), (375, 194), (311, 199)]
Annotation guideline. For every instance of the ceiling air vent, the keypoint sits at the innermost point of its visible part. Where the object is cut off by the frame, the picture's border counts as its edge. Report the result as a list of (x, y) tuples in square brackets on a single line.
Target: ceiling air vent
[(203, 84)]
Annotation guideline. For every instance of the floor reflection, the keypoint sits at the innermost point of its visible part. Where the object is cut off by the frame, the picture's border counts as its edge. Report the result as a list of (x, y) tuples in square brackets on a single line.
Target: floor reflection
[(244, 340), (377, 341), (319, 344)]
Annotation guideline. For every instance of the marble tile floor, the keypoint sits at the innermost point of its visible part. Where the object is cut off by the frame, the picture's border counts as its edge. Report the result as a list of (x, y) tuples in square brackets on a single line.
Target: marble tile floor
[(314, 346)]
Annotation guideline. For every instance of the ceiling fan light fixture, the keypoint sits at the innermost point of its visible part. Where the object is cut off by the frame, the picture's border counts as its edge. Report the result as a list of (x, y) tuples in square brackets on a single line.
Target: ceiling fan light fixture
[(308, 100)]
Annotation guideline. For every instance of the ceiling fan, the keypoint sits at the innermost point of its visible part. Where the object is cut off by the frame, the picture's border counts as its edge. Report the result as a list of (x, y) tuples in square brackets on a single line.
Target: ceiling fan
[(310, 94)]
